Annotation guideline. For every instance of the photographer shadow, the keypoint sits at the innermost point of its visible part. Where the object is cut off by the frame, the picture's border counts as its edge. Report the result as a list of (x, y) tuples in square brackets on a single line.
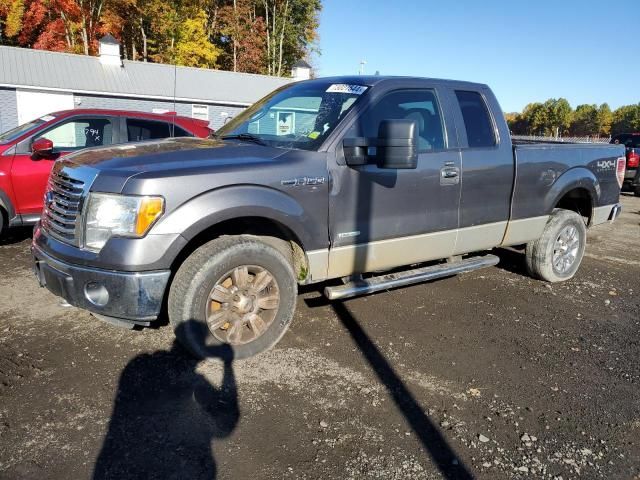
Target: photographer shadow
[(166, 417)]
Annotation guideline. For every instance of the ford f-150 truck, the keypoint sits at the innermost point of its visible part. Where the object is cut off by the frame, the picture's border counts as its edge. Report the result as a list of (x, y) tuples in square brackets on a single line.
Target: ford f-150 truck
[(377, 181)]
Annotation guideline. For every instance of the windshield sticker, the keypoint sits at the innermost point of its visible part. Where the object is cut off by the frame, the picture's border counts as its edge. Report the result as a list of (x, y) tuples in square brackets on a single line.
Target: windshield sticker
[(313, 135), (344, 88), (47, 118)]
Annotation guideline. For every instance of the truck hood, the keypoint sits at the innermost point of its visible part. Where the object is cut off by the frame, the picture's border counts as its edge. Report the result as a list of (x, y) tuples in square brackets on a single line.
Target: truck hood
[(169, 154), (172, 157)]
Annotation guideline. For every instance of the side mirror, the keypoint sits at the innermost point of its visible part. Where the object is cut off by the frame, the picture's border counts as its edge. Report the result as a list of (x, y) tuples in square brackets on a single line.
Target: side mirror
[(397, 144), (356, 151), (42, 148)]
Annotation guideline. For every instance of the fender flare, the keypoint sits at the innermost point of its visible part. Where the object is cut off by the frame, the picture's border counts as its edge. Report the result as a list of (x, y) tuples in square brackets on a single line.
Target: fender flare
[(228, 203), (578, 177)]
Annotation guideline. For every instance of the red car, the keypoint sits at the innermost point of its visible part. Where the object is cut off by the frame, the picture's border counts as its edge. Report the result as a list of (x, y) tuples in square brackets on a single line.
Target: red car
[(28, 152)]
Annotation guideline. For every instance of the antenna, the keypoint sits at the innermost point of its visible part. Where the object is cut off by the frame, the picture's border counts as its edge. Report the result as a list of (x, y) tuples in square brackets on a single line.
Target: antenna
[(175, 81)]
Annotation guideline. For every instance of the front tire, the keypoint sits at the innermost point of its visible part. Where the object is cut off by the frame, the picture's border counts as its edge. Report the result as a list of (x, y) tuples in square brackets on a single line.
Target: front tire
[(557, 254), (236, 292)]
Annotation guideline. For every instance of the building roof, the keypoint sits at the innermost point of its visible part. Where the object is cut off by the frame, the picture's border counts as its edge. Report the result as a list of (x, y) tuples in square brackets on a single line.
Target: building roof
[(301, 64), (39, 69), (108, 38)]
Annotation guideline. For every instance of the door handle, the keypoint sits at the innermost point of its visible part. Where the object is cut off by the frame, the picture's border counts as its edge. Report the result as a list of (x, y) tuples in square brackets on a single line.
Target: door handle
[(449, 175)]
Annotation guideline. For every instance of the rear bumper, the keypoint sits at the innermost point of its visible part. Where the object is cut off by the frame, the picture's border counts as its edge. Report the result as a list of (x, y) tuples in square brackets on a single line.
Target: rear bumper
[(133, 297), (607, 213)]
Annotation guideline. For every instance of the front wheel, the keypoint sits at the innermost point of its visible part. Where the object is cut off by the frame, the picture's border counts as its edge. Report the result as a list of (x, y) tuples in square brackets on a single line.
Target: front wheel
[(236, 291), (557, 254)]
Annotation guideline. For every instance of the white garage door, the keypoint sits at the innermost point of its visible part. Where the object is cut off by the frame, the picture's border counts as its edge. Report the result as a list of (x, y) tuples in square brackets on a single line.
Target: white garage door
[(33, 105)]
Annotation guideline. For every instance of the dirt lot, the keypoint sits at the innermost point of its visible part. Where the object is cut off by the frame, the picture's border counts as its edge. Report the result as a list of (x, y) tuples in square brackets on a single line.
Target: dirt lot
[(486, 375)]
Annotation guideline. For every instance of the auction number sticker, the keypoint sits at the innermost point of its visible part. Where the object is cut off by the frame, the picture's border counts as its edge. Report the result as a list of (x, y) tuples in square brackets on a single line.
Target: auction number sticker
[(344, 88)]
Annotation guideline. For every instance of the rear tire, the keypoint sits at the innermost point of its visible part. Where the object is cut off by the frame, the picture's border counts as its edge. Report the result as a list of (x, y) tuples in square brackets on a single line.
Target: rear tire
[(3, 222), (636, 191), (234, 295), (557, 254)]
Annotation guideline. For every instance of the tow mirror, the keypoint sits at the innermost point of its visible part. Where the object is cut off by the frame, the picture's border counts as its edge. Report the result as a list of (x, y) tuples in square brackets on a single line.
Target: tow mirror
[(42, 148), (397, 144)]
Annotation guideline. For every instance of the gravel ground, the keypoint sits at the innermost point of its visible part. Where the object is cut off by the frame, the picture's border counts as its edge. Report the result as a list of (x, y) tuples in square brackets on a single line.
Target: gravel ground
[(486, 375)]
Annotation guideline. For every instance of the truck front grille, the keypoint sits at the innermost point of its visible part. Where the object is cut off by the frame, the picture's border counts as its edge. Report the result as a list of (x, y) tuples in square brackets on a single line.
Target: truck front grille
[(62, 206)]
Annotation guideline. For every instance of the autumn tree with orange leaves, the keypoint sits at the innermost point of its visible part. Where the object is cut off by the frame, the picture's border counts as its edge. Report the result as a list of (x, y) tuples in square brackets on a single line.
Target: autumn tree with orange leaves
[(256, 36)]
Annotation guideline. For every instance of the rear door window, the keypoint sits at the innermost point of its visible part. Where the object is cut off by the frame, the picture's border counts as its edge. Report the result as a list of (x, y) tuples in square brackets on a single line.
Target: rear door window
[(139, 130), (477, 120)]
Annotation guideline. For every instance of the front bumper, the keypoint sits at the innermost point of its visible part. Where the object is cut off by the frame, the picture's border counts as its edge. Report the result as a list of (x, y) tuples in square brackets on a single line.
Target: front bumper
[(133, 297)]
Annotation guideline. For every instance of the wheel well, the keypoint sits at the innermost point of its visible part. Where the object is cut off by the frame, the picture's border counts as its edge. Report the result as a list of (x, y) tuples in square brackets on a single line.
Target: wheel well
[(577, 200), (272, 232)]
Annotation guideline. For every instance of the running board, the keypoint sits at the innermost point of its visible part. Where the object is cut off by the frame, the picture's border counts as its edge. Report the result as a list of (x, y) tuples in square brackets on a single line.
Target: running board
[(408, 277)]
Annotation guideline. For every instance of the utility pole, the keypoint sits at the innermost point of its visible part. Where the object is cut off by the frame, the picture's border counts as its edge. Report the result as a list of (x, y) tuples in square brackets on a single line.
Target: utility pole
[(362, 64)]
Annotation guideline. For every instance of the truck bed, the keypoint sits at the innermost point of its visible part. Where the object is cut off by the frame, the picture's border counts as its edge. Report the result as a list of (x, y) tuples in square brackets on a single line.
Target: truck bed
[(543, 168)]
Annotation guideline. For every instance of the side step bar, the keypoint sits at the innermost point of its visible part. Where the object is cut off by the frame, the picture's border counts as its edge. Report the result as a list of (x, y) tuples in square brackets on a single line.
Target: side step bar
[(408, 277)]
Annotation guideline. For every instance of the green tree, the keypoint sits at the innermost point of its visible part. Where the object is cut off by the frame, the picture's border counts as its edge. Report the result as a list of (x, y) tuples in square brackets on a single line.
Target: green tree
[(585, 121), (518, 124), (536, 116), (626, 119), (605, 119), (558, 116)]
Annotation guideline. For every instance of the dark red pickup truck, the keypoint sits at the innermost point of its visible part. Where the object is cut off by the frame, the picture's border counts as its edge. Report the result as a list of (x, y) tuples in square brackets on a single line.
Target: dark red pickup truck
[(27, 152), (631, 141)]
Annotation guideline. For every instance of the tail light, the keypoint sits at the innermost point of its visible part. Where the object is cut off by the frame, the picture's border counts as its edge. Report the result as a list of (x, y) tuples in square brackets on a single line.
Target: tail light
[(620, 168), (633, 159)]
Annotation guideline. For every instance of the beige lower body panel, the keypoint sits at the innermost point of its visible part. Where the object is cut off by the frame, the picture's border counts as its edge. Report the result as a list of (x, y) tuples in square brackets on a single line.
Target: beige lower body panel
[(386, 254), (524, 230), (396, 252), (479, 237)]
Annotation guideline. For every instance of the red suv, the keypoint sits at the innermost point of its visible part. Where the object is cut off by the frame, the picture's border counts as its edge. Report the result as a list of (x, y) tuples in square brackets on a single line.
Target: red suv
[(28, 152)]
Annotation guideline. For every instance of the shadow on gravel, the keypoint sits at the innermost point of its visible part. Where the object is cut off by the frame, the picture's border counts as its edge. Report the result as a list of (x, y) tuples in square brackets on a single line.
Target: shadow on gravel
[(512, 260), (165, 418), (16, 235), (433, 442)]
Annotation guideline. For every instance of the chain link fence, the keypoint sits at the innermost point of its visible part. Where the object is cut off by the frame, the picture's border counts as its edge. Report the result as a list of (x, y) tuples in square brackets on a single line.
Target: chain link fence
[(538, 138)]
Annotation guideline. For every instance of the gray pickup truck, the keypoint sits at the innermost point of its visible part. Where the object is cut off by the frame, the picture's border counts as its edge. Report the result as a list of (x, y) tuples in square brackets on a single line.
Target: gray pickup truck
[(377, 181)]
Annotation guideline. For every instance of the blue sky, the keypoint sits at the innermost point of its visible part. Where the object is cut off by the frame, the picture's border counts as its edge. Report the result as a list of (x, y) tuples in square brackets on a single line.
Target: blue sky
[(525, 50)]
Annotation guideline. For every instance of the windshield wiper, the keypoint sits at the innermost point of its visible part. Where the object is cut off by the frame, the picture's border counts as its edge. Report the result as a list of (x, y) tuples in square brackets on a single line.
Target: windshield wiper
[(245, 137)]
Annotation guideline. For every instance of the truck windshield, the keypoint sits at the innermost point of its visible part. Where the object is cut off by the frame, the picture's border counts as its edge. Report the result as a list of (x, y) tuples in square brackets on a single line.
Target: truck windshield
[(18, 131), (299, 116)]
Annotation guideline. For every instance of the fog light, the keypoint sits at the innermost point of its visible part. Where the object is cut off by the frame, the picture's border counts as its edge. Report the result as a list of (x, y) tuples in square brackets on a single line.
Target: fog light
[(96, 294)]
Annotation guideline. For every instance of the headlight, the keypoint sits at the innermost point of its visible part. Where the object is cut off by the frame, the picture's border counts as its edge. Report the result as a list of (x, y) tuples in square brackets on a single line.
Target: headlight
[(109, 215)]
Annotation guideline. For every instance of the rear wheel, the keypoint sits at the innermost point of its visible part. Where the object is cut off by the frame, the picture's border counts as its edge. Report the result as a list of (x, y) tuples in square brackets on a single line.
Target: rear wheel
[(636, 191), (233, 291), (557, 254)]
